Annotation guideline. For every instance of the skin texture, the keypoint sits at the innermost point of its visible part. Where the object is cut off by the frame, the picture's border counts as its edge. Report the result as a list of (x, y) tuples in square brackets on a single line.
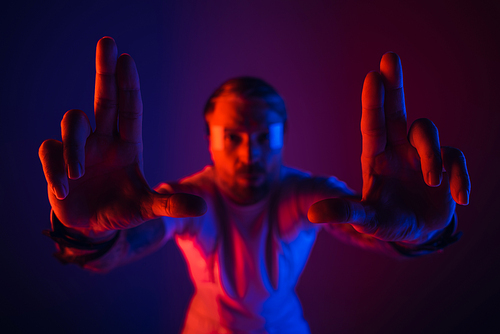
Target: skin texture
[(95, 179), (96, 184), (406, 195), (246, 168)]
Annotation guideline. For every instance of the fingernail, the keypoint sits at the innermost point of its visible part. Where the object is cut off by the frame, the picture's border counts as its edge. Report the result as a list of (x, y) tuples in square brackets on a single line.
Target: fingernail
[(60, 191), (463, 197), (433, 179), (74, 170)]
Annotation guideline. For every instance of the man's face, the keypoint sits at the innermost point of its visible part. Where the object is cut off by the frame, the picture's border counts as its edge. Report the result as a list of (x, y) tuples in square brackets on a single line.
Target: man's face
[(245, 143)]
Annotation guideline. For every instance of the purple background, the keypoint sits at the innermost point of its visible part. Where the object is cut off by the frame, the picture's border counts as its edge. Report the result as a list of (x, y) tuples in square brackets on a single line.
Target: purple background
[(316, 54)]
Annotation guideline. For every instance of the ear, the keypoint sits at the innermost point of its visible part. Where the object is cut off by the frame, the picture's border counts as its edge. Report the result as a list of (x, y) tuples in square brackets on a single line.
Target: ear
[(209, 143)]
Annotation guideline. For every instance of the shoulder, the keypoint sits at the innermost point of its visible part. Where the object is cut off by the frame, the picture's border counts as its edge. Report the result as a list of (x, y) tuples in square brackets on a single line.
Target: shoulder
[(200, 184), (197, 183), (297, 192), (293, 179)]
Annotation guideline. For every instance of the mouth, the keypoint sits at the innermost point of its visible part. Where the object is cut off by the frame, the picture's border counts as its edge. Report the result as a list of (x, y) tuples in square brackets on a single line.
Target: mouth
[(251, 179), (251, 176)]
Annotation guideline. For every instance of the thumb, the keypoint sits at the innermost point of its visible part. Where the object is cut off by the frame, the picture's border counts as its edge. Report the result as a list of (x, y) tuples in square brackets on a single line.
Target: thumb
[(337, 210), (178, 205)]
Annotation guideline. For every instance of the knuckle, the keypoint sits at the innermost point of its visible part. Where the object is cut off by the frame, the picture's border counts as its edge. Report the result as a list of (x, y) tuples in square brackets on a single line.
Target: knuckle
[(428, 155), (102, 103), (74, 152), (375, 131), (399, 116), (131, 115), (167, 206)]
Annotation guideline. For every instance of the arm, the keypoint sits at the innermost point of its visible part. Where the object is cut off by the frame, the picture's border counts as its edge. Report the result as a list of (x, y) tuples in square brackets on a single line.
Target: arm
[(104, 255), (438, 241), (315, 189), (410, 185)]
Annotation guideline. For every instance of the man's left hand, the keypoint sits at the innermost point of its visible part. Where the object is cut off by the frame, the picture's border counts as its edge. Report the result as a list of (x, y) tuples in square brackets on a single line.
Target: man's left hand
[(410, 183)]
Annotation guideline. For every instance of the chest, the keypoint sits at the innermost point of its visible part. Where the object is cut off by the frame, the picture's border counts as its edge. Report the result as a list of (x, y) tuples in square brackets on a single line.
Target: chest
[(242, 254)]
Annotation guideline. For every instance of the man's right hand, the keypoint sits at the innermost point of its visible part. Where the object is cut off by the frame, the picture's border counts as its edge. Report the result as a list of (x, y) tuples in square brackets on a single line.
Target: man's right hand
[(95, 178)]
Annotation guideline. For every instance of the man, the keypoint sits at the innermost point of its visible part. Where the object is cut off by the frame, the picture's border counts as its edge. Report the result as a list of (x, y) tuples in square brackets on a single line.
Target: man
[(246, 224)]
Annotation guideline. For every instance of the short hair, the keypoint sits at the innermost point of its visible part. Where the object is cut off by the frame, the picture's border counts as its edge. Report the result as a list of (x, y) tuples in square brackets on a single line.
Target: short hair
[(247, 88)]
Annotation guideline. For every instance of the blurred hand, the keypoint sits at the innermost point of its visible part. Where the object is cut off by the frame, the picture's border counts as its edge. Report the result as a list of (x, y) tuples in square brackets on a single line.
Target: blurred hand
[(410, 183), (95, 178)]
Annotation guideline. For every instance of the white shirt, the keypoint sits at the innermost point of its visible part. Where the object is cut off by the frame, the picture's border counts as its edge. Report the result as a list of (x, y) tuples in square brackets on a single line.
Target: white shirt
[(245, 261)]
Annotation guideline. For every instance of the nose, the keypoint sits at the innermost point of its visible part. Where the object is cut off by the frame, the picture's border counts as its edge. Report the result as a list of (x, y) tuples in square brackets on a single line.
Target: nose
[(250, 151)]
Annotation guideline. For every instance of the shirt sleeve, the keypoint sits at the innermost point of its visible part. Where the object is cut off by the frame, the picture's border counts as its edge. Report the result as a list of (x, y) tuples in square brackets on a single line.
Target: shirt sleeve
[(126, 245)]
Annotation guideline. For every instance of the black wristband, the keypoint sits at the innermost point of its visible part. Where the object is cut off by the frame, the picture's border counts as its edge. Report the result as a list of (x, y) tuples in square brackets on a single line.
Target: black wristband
[(64, 241), (446, 238)]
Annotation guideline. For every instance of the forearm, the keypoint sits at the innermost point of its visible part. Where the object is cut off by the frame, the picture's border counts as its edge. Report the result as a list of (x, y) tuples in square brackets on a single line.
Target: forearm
[(104, 251), (435, 242)]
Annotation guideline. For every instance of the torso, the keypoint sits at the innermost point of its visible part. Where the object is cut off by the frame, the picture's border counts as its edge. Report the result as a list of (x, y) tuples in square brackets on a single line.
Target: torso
[(245, 261)]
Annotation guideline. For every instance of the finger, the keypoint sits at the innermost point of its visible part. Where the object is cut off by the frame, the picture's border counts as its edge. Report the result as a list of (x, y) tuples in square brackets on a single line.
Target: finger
[(394, 106), (51, 156), (178, 205), (129, 100), (105, 96), (373, 127), (455, 165), (337, 210), (75, 128), (424, 137)]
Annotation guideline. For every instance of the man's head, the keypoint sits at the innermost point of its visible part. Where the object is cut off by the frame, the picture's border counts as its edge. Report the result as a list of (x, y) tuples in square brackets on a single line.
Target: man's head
[(245, 120)]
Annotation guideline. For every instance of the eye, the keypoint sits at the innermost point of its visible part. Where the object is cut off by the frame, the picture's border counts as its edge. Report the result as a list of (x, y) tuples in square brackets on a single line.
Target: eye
[(263, 138), (233, 138)]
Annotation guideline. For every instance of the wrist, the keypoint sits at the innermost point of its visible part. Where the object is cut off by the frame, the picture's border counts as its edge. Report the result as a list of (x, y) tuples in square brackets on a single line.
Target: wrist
[(85, 234), (76, 247), (437, 241)]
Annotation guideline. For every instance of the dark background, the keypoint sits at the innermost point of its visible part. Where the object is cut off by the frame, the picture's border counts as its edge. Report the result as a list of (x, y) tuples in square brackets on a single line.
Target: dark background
[(316, 54)]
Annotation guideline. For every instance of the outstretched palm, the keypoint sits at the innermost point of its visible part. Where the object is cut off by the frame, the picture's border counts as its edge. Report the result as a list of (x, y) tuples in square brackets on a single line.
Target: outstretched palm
[(410, 184), (95, 179)]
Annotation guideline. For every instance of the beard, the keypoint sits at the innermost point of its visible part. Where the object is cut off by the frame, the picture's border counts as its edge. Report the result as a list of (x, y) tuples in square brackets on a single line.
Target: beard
[(247, 195), (255, 187)]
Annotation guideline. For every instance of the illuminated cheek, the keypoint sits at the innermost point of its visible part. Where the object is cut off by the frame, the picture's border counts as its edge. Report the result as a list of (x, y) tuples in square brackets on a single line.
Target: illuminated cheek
[(216, 138), (223, 161), (276, 136)]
